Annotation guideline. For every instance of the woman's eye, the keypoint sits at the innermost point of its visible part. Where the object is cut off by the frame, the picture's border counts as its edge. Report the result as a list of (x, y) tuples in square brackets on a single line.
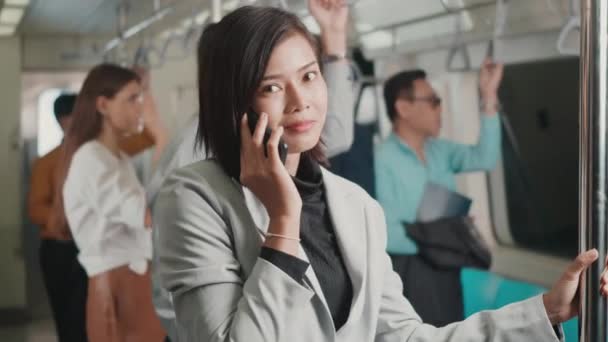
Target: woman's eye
[(309, 76), (273, 88)]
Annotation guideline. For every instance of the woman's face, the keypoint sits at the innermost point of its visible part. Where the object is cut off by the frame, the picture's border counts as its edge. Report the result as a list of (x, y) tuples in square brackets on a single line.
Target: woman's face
[(124, 111), (293, 93)]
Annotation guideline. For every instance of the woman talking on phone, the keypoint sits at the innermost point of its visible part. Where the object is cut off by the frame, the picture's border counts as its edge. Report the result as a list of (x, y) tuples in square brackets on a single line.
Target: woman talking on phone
[(254, 249)]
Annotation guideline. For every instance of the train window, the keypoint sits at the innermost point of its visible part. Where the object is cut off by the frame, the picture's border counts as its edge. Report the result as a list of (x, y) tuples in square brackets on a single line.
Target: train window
[(540, 155), (49, 131)]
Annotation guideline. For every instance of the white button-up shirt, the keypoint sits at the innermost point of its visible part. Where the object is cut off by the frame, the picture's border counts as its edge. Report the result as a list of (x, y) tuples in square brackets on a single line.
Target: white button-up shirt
[(105, 207)]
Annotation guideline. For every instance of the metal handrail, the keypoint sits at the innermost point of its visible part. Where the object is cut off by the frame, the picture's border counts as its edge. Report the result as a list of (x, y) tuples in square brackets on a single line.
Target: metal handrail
[(418, 20), (124, 34)]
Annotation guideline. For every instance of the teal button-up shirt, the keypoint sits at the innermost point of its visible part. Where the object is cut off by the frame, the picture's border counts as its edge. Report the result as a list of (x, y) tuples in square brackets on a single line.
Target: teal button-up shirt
[(401, 177)]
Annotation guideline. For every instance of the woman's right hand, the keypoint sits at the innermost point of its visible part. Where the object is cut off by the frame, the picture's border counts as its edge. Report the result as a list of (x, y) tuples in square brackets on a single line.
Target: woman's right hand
[(562, 301), (268, 178)]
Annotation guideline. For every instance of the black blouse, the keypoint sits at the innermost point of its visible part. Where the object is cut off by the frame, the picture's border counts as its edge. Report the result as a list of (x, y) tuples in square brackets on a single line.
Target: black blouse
[(318, 239)]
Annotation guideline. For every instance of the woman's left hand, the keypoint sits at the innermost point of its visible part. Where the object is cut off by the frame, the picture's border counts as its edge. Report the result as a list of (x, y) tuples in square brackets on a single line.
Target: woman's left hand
[(562, 301)]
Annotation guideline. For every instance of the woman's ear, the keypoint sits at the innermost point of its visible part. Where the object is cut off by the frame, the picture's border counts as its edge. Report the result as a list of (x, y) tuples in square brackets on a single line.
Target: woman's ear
[(101, 104)]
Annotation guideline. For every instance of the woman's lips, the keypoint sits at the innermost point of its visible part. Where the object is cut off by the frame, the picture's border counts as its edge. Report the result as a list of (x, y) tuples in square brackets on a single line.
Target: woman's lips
[(300, 126)]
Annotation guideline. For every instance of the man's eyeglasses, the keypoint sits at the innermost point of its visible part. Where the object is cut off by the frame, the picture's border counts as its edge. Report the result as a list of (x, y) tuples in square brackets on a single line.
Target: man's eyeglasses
[(433, 100)]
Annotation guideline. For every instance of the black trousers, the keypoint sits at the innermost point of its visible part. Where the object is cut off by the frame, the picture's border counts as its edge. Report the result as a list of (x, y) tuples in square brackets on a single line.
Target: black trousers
[(435, 294), (66, 285)]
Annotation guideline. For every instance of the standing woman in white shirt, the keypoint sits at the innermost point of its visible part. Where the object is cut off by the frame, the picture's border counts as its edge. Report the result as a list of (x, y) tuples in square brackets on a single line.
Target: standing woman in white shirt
[(105, 207)]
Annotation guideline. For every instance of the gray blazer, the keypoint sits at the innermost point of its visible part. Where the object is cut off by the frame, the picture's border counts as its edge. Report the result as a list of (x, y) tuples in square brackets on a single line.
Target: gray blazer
[(338, 133), (211, 230)]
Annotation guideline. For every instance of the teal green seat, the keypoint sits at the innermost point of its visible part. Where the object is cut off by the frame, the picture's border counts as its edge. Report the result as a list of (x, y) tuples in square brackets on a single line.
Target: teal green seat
[(487, 291)]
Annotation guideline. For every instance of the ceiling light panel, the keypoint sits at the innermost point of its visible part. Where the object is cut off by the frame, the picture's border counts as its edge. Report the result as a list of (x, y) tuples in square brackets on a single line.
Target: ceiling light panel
[(21, 3), (11, 15)]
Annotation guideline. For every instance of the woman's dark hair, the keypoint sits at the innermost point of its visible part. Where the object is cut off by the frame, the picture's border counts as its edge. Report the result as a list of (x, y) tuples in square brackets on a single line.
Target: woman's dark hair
[(103, 80), (230, 72)]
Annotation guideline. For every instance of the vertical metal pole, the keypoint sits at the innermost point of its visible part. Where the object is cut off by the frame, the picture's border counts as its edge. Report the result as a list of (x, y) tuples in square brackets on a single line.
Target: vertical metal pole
[(593, 324)]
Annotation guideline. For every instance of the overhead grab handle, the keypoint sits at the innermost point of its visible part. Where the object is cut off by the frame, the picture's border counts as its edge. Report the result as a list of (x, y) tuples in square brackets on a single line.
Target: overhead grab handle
[(466, 59), (573, 26), (494, 50), (458, 48)]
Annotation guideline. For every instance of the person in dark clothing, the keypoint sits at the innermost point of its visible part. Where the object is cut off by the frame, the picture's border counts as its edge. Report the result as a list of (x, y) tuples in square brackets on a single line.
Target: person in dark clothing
[(64, 278)]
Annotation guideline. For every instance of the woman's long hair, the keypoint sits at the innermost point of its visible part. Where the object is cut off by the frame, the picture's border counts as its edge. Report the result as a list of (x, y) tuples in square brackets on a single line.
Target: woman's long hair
[(103, 80)]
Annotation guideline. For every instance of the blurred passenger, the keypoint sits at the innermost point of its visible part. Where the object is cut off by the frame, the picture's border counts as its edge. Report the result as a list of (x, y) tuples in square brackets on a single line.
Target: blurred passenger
[(105, 206), (337, 132), (64, 278), (410, 158), (257, 249)]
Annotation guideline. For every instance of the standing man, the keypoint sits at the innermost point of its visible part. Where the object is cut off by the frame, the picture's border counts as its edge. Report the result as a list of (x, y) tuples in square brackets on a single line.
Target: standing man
[(413, 156)]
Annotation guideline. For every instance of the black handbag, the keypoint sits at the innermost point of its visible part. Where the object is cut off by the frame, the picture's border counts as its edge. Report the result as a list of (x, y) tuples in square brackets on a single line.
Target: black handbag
[(451, 243)]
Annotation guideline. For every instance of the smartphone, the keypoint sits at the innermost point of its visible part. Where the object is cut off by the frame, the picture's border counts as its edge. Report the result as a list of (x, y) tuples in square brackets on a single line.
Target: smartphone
[(252, 119)]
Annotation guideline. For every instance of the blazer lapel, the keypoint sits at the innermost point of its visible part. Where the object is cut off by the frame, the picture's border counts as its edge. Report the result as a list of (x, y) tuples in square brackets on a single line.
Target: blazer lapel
[(348, 218)]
